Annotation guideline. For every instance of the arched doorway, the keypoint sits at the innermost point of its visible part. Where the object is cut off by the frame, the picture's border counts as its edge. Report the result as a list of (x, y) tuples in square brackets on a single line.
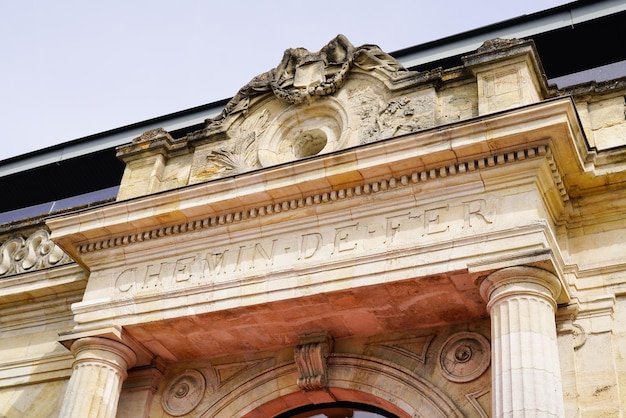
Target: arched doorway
[(381, 386)]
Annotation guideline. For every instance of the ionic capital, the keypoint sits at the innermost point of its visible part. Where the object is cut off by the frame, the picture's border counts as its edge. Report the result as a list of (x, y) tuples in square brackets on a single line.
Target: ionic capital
[(520, 281), (104, 351)]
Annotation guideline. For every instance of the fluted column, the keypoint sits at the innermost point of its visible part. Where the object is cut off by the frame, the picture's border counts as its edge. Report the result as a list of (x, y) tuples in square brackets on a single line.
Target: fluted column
[(96, 382), (525, 368)]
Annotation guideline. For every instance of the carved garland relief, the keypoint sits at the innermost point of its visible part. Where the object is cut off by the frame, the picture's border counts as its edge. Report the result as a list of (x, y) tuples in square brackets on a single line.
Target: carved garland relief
[(302, 76)]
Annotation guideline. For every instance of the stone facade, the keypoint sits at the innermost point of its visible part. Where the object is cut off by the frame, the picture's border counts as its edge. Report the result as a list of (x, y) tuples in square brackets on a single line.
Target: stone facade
[(436, 244)]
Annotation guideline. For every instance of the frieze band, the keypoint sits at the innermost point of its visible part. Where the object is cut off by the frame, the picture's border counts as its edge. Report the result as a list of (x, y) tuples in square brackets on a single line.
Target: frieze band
[(351, 239)]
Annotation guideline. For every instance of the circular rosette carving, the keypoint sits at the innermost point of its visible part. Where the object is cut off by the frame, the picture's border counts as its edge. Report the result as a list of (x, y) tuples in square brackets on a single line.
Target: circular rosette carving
[(183, 393), (464, 357)]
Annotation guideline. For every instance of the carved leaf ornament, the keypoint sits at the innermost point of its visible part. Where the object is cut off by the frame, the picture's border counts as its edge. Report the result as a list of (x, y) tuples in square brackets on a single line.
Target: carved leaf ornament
[(243, 156)]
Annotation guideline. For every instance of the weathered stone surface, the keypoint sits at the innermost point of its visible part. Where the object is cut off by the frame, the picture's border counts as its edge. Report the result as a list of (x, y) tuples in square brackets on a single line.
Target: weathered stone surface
[(340, 195), (41, 400)]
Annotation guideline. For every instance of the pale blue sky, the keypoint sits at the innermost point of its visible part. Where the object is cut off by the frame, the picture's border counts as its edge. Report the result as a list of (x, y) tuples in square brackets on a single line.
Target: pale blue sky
[(74, 68)]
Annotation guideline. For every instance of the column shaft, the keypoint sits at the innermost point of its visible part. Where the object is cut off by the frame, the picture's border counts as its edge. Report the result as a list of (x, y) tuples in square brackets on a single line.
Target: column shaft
[(526, 376), (96, 382)]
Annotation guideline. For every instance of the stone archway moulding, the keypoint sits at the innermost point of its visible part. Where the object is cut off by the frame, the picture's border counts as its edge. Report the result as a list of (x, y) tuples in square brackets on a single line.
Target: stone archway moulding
[(350, 378)]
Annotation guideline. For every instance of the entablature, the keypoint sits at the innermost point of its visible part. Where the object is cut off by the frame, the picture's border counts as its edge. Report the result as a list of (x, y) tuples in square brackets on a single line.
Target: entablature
[(334, 180), (438, 208)]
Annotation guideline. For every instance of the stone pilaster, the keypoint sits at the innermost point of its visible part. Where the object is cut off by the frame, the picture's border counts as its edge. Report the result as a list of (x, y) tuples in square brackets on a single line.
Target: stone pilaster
[(98, 373), (526, 375)]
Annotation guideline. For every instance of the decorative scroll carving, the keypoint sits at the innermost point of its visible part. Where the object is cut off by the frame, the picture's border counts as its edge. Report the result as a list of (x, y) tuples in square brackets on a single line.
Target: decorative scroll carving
[(303, 75), (464, 357), (566, 326), (183, 393), (19, 255), (243, 155), (310, 358), (579, 336)]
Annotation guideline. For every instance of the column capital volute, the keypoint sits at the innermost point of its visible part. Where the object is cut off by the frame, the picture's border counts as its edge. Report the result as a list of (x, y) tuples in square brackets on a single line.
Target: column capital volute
[(520, 280), (104, 350)]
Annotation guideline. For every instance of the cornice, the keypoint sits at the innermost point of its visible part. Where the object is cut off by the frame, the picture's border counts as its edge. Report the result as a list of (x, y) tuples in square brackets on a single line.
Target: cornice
[(53, 310), (42, 285), (36, 369), (332, 195)]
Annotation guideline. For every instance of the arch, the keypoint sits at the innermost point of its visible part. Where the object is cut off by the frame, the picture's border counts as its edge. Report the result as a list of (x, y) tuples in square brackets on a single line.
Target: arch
[(351, 378)]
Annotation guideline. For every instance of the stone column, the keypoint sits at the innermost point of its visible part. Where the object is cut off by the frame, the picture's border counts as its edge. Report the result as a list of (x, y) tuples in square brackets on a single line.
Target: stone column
[(525, 368), (96, 382)]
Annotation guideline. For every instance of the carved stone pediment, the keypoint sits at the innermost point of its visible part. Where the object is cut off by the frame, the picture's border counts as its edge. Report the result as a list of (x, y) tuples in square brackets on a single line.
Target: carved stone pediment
[(319, 103), (312, 103)]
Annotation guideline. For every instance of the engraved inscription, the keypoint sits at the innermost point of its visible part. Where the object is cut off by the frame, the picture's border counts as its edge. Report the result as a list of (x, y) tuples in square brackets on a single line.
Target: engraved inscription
[(336, 242)]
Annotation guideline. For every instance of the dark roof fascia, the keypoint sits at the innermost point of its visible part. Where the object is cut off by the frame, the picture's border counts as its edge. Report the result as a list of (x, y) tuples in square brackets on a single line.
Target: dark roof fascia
[(109, 139), (569, 14)]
